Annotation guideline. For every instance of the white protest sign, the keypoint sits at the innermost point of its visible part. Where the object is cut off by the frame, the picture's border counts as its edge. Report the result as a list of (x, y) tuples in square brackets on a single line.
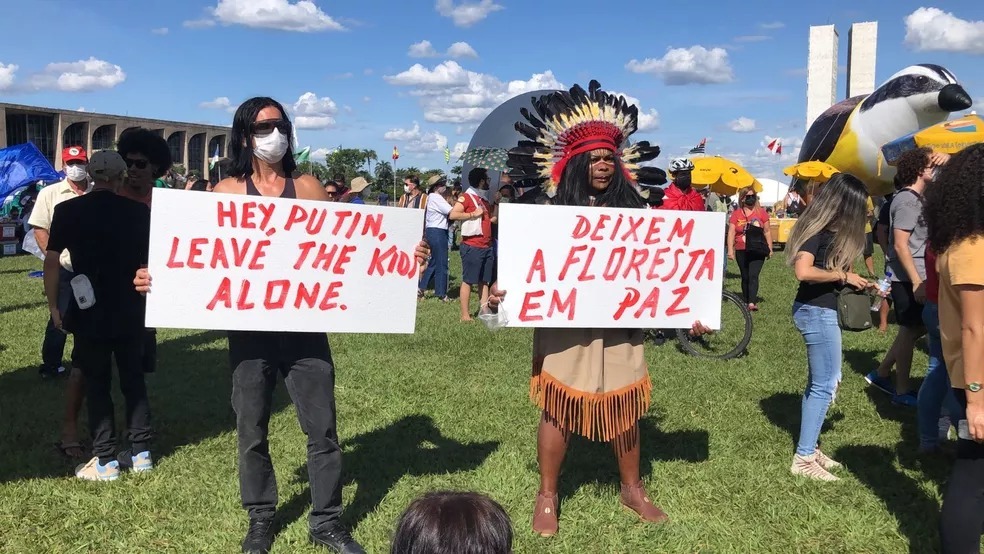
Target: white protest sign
[(572, 267), (251, 263)]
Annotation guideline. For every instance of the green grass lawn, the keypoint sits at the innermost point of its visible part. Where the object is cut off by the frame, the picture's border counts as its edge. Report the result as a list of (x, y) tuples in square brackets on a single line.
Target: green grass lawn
[(447, 408)]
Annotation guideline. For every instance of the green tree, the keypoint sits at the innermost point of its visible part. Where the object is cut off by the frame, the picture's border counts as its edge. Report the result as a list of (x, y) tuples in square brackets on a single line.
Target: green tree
[(456, 171), (314, 168), (346, 161)]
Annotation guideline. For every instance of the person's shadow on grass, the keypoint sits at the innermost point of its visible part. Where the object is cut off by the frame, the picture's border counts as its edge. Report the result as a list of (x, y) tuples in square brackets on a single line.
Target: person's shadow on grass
[(784, 410), (189, 402), (375, 461), (917, 512), (594, 463)]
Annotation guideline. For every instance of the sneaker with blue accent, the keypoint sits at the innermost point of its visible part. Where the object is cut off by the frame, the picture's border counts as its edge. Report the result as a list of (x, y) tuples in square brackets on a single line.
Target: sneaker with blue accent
[(137, 463), (94, 471), (880, 383), (142, 462), (909, 399)]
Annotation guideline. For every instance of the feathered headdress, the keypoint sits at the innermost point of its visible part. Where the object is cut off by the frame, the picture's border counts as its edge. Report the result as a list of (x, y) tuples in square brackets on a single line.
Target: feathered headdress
[(570, 123)]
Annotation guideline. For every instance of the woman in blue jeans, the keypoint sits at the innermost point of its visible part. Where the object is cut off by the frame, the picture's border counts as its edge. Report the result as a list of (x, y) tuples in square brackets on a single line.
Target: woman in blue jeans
[(436, 235), (827, 239)]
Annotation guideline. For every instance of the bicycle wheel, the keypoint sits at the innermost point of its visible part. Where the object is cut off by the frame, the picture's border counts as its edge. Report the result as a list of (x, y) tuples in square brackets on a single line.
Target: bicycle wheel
[(731, 340)]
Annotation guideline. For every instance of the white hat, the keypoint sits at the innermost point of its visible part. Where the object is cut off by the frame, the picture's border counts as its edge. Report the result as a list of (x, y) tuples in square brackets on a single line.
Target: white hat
[(358, 184), (106, 165)]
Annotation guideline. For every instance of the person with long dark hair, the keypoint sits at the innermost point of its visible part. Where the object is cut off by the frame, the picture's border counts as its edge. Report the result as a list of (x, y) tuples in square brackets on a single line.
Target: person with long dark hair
[(956, 232), (823, 246), (262, 164), (590, 382)]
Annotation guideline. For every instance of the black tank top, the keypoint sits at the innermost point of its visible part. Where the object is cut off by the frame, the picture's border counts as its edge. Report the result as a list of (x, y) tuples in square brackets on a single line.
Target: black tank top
[(288, 192)]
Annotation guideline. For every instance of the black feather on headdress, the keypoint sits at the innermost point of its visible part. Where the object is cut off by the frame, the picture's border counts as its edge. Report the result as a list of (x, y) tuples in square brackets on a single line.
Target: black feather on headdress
[(566, 120)]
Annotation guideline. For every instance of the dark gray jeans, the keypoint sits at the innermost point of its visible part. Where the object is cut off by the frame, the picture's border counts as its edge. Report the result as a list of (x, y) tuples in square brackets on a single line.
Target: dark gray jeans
[(53, 347), (304, 359)]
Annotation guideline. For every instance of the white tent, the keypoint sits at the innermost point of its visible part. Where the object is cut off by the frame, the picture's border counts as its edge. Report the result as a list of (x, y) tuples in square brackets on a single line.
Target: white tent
[(772, 192)]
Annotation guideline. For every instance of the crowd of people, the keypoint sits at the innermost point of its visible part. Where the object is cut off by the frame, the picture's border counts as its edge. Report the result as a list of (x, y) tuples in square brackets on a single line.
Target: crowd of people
[(94, 228)]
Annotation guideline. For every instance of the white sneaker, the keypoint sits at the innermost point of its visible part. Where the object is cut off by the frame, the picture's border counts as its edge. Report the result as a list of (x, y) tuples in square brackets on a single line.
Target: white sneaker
[(94, 471), (808, 466), (827, 462)]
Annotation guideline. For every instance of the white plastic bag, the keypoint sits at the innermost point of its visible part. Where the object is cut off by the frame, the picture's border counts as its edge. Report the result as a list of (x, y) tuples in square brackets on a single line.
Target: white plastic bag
[(493, 320)]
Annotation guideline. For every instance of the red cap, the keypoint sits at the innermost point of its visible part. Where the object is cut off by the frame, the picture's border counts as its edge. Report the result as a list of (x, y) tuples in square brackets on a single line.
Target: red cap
[(74, 153)]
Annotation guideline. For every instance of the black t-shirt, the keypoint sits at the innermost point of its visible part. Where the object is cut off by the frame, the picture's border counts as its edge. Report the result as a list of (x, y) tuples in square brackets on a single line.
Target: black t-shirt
[(108, 237), (823, 295)]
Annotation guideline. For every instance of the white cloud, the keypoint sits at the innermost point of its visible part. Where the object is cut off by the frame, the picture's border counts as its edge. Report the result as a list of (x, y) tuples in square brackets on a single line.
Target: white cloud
[(928, 29), (462, 50), (302, 16), (366, 99), (416, 141), (770, 26), (451, 94), (343, 76), (160, 31), (220, 103), (458, 150), (7, 73), (203, 23), (81, 109), (311, 112), (367, 71), (80, 76), (348, 109), (466, 14), (446, 74), (648, 120), (742, 125), (683, 66), (752, 38), (422, 49)]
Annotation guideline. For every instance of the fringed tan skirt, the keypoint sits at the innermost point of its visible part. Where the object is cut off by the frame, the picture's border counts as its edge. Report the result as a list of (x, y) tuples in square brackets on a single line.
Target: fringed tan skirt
[(593, 382)]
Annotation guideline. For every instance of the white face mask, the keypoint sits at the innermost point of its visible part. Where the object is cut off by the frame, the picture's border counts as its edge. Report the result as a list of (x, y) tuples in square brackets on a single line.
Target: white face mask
[(483, 194), (406, 189), (272, 147), (76, 173)]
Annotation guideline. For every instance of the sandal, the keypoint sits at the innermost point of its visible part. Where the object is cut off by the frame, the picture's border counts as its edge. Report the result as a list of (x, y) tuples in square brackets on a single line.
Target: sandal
[(67, 447)]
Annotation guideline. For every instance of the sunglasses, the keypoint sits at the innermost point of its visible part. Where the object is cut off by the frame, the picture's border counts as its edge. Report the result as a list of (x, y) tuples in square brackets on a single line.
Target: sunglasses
[(140, 164), (265, 127)]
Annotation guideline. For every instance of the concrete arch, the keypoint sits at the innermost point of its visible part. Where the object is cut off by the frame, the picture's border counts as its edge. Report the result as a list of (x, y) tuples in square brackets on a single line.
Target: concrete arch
[(76, 134), (176, 143), (104, 137)]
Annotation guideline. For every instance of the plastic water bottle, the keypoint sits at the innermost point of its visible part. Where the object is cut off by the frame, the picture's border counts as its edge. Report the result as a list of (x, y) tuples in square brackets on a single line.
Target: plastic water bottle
[(883, 287)]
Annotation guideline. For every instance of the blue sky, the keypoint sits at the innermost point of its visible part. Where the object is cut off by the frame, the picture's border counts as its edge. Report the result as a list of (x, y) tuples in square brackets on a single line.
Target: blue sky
[(733, 72)]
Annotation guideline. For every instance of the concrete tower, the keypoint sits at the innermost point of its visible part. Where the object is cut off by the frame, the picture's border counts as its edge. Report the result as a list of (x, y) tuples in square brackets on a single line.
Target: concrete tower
[(862, 45), (821, 71)]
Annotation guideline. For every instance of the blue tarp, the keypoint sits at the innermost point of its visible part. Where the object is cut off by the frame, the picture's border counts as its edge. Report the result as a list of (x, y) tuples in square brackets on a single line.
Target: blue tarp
[(22, 165)]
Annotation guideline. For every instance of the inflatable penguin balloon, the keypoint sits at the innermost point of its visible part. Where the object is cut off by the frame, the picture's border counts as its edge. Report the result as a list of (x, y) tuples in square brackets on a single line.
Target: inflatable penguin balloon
[(850, 134)]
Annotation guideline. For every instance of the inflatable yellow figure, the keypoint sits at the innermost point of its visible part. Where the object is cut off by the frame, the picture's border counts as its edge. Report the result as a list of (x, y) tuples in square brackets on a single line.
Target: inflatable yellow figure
[(850, 134)]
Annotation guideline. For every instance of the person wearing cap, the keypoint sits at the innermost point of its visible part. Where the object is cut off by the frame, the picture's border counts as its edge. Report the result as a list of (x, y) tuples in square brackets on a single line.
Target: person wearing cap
[(108, 237), (436, 235), (75, 184), (354, 194)]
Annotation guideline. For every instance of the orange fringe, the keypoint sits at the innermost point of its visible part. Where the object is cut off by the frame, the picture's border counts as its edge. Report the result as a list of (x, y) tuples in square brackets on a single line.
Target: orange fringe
[(597, 416)]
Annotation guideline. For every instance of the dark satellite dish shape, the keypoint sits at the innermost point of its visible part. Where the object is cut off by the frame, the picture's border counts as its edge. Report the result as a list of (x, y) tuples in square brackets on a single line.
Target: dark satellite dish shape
[(498, 130)]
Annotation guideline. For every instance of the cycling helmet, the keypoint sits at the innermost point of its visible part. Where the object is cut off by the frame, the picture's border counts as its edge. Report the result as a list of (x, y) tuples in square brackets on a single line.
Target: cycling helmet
[(681, 164)]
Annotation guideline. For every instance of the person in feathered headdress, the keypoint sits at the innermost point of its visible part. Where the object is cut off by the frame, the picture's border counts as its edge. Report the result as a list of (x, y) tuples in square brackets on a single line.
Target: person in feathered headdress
[(593, 382)]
